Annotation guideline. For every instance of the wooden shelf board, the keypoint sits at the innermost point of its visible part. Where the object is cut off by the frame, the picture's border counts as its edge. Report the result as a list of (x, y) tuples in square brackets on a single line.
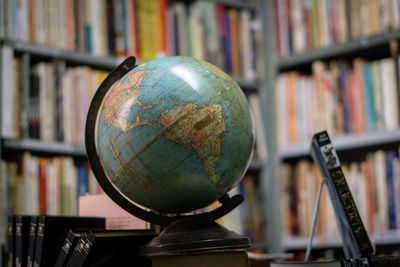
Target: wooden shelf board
[(336, 50), (54, 148), (391, 237), (247, 86), (348, 142), (57, 53), (237, 4)]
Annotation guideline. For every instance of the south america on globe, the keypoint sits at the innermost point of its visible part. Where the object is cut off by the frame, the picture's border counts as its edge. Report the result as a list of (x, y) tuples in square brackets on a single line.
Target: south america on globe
[(174, 134)]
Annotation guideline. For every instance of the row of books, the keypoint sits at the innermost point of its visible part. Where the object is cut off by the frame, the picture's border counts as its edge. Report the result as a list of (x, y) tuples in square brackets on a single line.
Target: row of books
[(306, 25), (374, 183), (145, 29), (47, 101), (72, 241), (342, 97), (45, 185)]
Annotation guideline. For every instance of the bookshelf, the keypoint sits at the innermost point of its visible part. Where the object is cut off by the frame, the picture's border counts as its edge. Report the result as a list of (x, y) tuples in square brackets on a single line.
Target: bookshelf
[(33, 50), (352, 146)]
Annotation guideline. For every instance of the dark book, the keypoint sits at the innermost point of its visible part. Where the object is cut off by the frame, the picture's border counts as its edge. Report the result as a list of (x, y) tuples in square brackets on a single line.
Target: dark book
[(22, 230), (355, 238), (34, 116), (111, 248), (67, 248), (26, 69), (11, 240), (59, 70), (52, 231), (111, 28), (32, 240)]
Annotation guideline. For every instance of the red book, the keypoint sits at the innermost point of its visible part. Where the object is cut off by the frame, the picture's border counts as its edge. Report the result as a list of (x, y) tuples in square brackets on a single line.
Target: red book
[(132, 26), (162, 9), (42, 186)]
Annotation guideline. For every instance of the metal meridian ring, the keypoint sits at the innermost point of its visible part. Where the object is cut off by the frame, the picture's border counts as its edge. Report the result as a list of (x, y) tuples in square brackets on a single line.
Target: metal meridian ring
[(228, 203)]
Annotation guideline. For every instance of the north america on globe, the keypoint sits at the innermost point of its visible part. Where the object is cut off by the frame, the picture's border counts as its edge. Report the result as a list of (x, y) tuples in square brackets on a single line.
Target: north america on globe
[(174, 134)]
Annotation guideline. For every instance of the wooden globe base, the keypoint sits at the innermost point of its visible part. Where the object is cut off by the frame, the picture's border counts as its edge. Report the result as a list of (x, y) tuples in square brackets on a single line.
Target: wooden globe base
[(194, 234)]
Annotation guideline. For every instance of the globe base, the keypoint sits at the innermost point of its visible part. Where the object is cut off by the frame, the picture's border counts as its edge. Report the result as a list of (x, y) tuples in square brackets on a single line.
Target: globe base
[(192, 234)]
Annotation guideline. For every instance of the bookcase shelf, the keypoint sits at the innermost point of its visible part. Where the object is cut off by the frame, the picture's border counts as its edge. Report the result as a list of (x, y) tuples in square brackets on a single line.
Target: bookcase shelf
[(300, 31), (77, 58), (251, 5), (335, 51), (347, 142), (43, 147), (388, 238)]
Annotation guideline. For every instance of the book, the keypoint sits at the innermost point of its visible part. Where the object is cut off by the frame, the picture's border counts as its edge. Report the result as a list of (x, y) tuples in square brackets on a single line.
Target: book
[(51, 233), (111, 248), (355, 238), (7, 92), (22, 231), (32, 241), (11, 241), (210, 258), (67, 248)]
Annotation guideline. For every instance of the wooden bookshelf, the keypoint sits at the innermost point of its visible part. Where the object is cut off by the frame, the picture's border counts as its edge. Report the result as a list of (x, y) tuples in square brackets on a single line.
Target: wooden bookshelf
[(38, 53), (374, 47)]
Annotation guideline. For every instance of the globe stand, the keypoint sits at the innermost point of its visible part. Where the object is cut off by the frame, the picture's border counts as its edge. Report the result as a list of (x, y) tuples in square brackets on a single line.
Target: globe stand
[(192, 234), (182, 232)]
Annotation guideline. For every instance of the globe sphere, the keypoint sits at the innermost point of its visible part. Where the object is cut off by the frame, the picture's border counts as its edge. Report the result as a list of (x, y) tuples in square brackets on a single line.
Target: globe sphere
[(174, 134)]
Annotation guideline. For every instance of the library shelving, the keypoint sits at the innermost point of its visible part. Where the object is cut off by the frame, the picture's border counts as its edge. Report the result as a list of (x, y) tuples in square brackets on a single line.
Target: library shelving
[(299, 62), (38, 42)]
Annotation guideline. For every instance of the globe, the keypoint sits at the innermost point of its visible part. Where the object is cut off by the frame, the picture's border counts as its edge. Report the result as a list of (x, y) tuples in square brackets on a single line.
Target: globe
[(174, 134)]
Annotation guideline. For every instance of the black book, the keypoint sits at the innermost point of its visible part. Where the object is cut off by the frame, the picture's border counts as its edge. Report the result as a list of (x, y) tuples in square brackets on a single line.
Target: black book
[(67, 248), (52, 231), (33, 115), (11, 240), (22, 230), (32, 241), (351, 227), (111, 248), (111, 28)]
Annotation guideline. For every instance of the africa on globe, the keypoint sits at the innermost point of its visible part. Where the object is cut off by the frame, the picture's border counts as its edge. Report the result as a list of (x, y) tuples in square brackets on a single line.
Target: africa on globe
[(174, 134)]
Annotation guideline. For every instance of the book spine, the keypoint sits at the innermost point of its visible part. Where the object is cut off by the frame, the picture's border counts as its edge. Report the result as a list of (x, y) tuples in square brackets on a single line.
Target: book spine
[(10, 240), (66, 249), (18, 240), (39, 240), (81, 250), (32, 241)]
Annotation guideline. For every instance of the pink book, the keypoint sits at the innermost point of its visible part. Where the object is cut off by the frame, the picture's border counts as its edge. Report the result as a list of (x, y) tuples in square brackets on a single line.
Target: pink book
[(102, 206)]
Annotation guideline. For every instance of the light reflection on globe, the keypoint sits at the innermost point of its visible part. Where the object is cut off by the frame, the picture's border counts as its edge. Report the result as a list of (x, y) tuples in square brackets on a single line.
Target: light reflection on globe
[(174, 134)]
